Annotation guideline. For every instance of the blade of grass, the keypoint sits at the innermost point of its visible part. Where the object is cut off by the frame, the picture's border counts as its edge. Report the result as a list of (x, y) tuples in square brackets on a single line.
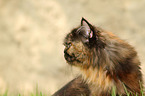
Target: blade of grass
[(128, 93), (113, 93)]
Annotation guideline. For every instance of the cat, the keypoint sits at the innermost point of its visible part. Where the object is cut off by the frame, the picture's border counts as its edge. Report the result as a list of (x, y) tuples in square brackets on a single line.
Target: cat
[(106, 63)]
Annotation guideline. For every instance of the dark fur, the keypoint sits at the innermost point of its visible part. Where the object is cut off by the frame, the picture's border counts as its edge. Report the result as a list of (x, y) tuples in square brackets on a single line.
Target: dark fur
[(94, 50), (76, 87)]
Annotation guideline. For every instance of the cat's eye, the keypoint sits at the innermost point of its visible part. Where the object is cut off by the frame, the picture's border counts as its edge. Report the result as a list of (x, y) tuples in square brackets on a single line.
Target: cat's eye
[(68, 45)]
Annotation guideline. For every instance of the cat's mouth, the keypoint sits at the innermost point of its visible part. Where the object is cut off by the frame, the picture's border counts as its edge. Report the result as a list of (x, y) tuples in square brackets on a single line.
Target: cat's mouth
[(70, 58)]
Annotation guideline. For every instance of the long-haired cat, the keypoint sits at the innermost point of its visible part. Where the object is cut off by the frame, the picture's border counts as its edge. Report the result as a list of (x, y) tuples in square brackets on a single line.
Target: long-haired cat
[(106, 63)]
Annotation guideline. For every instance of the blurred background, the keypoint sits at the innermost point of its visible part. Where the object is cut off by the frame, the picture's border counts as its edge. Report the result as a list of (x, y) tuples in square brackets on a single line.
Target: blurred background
[(32, 33)]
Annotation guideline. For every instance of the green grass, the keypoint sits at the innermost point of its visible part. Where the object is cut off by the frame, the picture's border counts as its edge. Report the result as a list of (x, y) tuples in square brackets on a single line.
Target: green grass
[(35, 93), (31, 94), (39, 93), (128, 93)]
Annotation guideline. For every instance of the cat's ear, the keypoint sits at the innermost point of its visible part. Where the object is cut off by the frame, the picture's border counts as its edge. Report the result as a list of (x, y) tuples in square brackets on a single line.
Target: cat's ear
[(85, 31), (84, 22)]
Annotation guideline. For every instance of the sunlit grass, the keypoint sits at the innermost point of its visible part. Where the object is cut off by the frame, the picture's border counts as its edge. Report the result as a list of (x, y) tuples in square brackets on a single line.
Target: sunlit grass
[(128, 93), (35, 93), (39, 93), (31, 94)]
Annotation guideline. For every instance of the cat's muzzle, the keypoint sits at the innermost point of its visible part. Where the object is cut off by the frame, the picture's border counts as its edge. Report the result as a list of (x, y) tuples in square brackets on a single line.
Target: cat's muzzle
[(69, 58)]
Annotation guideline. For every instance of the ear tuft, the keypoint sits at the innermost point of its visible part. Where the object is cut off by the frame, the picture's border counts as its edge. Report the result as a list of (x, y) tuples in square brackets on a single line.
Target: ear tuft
[(84, 22), (85, 31)]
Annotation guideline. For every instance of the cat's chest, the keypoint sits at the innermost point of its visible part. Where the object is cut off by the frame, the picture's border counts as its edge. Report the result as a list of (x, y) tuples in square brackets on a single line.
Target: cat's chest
[(98, 80)]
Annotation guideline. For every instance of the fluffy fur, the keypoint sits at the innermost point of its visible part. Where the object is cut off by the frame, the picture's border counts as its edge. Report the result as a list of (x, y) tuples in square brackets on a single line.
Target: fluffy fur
[(106, 62)]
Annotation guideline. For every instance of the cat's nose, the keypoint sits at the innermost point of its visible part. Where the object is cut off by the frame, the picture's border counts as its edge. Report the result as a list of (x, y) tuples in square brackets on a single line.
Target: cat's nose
[(65, 50)]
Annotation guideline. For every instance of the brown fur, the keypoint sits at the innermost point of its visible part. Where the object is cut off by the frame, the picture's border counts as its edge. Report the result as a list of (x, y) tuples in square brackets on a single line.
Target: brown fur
[(105, 61), (76, 87)]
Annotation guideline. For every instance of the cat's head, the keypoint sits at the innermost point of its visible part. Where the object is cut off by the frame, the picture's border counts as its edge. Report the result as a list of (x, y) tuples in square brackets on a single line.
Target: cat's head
[(80, 42)]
